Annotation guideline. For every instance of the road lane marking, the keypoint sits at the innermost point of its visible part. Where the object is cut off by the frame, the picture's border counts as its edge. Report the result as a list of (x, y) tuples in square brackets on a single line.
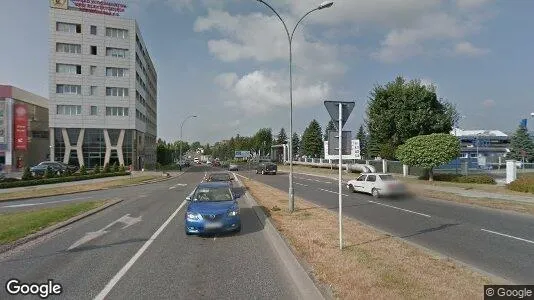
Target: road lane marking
[(507, 235), (177, 185), (43, 203), (241, 176), (298, 183), (337, 193), (134, 258), (406, 210)]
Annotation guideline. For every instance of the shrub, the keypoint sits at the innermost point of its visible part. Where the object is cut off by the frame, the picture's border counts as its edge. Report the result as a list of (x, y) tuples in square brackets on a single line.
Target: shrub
[(27, 174), (67, 173), (96, 170), (122, 169), (39, 181), (522, 184), (106, 169), (479, 179), (115, 168), (48, 173), (83, 170)]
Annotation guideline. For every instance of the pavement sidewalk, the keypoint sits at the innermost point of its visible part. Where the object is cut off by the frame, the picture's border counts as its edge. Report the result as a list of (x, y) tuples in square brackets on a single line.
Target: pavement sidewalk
[(83, 182)]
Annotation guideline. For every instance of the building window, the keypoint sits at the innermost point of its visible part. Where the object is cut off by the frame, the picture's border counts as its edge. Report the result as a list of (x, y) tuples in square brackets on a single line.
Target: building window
[(117, 52), (116, 91), (117, 72), (94, 110), (117, 111), (68, 89), (93, 50), (70, 110), (92, 70), (71, 69), (464, 155), (92, 91), (93, 29), (68, 27), (474, 155), (117, 33), (69, 48)]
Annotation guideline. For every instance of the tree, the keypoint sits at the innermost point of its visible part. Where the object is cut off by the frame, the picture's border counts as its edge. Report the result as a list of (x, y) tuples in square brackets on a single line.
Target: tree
[(96, 170), (429, 151), (282, 137), (312, 141), (330, 126), (521, 146), (195, 146), (400, 110), (363, 141), (296, 144), (207, 149), (263, 140)]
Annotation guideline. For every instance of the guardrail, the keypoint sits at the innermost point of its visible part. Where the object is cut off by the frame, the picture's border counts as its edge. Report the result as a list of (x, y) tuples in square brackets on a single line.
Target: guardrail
[(348, 167)]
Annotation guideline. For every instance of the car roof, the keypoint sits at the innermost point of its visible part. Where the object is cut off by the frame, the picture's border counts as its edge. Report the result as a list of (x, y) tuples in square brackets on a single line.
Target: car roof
[(214, 184), (376, 174), (219, 173)]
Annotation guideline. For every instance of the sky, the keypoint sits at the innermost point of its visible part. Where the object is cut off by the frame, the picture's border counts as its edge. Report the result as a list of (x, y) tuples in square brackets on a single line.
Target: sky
[(227, 61)]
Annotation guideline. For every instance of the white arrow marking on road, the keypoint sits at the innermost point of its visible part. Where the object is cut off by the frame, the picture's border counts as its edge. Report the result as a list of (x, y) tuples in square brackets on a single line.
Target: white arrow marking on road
[(126, 219)]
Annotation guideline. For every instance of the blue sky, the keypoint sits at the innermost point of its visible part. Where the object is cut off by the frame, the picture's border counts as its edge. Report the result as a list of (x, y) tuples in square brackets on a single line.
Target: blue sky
[(226, 61)]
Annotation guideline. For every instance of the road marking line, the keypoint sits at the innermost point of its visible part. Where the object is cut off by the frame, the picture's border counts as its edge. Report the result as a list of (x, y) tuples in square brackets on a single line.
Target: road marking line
[(134, 258), (42, 203), (507, 235), (337, 193), (177, 185), (241, 176), (301, 184), (406, 210)]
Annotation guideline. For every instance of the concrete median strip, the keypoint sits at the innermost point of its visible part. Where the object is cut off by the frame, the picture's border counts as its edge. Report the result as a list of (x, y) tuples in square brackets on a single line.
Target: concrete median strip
[(303, 283), (49, 230)]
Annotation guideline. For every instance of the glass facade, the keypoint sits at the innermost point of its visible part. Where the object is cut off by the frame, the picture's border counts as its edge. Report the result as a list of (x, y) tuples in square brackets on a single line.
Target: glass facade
[(94, 148)]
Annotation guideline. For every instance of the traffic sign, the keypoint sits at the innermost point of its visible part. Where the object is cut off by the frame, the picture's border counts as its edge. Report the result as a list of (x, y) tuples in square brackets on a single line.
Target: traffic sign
[(333, 109)]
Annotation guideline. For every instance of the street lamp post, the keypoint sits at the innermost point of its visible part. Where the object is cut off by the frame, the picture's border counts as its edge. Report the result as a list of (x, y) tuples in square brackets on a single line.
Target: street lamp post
[(181, 130), (323, 5)]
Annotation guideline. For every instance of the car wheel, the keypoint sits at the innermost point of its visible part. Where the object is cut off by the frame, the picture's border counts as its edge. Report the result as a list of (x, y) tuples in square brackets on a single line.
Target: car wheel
[(351, 188), (188, 233), (375, 193)]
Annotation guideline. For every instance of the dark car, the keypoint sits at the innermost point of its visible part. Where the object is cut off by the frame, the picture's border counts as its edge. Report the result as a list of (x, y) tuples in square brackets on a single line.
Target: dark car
[(71, 168), (52, 166), (220, 177), (266, 168), (212, 208)]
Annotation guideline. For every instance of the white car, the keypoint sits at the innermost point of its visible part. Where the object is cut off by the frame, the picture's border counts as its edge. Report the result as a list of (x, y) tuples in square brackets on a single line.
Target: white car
[(377, 184)]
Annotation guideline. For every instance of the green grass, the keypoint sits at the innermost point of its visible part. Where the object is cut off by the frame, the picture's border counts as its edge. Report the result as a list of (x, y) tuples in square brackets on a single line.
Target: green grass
[(14, 226)]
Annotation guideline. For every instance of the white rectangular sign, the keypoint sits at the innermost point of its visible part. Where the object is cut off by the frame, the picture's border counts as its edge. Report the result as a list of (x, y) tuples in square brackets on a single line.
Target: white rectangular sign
[(354, 151)]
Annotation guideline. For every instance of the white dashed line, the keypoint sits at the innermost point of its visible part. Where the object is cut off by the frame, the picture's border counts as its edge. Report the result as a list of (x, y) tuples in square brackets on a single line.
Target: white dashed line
[(337, 193), (302, 184), (507, 235), (406, 210)]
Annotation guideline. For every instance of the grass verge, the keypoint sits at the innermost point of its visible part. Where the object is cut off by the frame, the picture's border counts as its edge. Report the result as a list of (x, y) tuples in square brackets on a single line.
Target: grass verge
[(372, 265), (44, 192), (14, 226)]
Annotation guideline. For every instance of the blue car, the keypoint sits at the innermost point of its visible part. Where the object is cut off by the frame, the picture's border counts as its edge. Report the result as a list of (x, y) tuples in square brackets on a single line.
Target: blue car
[(212, 208)]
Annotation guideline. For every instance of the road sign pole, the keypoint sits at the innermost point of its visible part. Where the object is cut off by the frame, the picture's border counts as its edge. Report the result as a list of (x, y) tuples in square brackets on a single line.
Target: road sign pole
[(340, 162)]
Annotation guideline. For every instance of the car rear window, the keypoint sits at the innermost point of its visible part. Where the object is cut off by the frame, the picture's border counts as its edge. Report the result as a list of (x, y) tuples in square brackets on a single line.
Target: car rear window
[(212, 194), (220, 177), (386, 177)]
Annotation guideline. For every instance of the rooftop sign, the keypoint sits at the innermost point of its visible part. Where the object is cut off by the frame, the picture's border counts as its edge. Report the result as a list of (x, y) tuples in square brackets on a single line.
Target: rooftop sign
[(100, 7)]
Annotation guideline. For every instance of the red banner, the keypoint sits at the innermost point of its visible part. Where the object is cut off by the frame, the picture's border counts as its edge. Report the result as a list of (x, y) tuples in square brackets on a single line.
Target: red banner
[(100, 7), (21, 127)]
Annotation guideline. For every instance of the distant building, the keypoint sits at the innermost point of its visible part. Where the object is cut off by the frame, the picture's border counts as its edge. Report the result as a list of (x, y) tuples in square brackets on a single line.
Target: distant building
[(103, 89), (23, 128), (482, 146)]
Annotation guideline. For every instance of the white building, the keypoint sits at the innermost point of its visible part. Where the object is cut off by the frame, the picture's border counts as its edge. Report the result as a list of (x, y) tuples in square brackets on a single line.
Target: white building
[(103, 90)]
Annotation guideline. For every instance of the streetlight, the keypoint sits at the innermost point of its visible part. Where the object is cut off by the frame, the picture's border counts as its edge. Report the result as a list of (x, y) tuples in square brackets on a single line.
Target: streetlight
[(325, 4), (181, 129)]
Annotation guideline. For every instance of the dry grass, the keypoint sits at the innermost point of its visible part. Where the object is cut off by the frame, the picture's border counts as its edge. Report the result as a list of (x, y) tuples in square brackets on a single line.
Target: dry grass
[(372, 265), (44, 192)]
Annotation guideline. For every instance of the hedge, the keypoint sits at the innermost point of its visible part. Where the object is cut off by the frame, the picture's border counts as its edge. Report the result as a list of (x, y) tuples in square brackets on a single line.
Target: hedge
[(479, 179), (522, 184), (23, 183)]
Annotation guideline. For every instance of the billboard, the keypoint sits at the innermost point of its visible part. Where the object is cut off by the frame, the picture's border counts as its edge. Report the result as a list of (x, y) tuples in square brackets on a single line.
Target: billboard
[(242, 154), (100, 7), (3, 122), (354, 151), (21, 127)]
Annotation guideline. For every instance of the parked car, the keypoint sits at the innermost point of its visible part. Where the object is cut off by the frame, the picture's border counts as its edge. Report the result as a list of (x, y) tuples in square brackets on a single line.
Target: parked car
[(377, 184), (212, 208), (71, 168), (233, 167), (52, 166), (220, 177), (266, 168)]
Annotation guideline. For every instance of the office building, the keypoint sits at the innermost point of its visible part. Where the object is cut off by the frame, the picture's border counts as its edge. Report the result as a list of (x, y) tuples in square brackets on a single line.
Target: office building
[(23, 129), (103, 90)]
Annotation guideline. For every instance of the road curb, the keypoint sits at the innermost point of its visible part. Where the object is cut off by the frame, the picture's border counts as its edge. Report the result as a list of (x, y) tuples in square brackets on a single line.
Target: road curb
[(301, 279), (100, 189), (50, 229)]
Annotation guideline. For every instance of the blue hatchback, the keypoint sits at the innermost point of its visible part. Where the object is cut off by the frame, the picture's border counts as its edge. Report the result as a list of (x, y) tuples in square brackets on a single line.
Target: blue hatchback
[(212, 208)]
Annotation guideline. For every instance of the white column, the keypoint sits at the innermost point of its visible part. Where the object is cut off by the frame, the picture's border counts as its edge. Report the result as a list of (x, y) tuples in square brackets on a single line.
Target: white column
[(405, 170), (79, 149), (68, 146), (117, 147), (384, 165), (511, 171), (52, 147)]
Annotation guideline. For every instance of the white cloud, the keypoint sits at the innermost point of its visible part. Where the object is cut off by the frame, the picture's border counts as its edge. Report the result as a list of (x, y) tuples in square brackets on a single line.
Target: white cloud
[(260, 92), (466, 48), (468, 4), (488, 103)]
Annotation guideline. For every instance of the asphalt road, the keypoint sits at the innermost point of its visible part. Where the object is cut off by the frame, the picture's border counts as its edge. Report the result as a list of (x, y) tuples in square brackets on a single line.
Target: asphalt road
[(495, 241), (152, 258)]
